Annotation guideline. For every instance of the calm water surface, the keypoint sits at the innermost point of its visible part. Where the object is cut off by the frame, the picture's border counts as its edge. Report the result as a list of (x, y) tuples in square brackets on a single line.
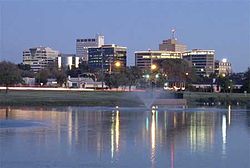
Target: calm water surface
[(99, 137)]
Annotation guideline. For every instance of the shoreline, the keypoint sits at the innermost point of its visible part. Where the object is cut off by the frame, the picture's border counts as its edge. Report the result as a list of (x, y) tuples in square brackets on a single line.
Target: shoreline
[(110, 98)]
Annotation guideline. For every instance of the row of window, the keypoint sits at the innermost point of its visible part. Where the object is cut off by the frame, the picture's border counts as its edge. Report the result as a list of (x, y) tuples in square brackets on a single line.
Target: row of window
[(85, 40)]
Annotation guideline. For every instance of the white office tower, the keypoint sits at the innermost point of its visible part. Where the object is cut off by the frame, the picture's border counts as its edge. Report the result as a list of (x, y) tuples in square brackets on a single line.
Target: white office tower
[(40, 57), (82, 46)]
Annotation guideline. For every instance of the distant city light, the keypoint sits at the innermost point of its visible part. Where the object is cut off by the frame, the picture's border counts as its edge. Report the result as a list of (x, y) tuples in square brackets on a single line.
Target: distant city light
[(224, 60)]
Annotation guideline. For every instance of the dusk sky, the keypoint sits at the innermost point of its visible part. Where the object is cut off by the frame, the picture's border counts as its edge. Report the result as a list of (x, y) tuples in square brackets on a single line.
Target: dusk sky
[(137, 24)]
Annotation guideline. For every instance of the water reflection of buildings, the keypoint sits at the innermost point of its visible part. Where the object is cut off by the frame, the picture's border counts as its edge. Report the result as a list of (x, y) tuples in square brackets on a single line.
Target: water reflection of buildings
[(97, 132), (85, 131), (197, 130)]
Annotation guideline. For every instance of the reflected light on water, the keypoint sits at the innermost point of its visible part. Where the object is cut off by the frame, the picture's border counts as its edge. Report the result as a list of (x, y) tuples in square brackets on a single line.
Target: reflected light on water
[(201, 131), (224, 134), (172, 155), (80, 137), (153, 136), (117, 130), (70, 128), (229, 114), (115, 133)]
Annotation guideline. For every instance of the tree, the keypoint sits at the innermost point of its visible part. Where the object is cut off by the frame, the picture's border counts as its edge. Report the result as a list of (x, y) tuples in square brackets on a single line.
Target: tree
[(9, 74), (177, 71), (25, 70), (246, 81), (42, 76), (226, 83), (133, 75), (61, 77)]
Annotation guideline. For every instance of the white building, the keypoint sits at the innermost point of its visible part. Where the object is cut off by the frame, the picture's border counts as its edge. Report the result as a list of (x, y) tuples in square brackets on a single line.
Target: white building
[(29, 81), (82, 46), (40, 57), (68, 61), (84, 82)]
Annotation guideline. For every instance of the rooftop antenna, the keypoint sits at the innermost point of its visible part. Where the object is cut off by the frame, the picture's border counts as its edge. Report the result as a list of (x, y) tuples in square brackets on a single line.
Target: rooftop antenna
[(173, 34)]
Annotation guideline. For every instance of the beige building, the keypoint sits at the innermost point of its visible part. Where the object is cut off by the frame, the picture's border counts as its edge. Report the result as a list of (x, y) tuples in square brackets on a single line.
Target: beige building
[(172, 45), (144, 59)]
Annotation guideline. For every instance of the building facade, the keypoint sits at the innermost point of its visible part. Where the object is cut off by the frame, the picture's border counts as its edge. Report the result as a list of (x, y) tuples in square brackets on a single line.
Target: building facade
[(144, 59), (68, 61), (40, 57), (223, 67), (106, 56), (82, 46), (172, 45), (202, 60)]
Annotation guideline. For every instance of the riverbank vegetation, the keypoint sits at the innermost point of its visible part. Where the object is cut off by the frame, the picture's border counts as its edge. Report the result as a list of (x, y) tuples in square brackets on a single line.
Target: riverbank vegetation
[(111, 98)]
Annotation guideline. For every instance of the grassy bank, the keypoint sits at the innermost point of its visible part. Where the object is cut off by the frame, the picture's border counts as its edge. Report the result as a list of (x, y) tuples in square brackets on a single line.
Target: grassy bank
[(194, 98), (99, 98), (67, 98)]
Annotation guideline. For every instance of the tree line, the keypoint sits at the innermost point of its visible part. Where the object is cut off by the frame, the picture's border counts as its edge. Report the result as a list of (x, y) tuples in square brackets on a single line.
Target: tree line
[(167, 70)]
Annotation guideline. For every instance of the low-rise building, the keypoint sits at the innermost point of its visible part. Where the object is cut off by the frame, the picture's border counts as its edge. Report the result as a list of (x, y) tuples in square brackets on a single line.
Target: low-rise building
[(84, 82), (29, 81), (68, 61), (223, 67)]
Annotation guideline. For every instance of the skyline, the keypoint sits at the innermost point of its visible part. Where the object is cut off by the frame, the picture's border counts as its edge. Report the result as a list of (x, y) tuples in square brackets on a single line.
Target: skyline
[(223, 26)]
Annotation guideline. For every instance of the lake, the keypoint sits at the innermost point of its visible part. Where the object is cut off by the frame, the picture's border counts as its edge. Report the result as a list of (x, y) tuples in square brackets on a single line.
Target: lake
[(99, 137)]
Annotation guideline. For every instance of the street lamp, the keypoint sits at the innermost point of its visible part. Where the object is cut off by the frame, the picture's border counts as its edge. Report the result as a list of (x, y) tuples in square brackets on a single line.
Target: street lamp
[(117, 64), (153, 67)]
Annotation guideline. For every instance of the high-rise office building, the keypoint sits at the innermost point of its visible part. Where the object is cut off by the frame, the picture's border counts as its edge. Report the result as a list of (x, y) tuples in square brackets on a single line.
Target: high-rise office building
[(68, 61), (144, 59), (202, 60), (223, 67), (172, 44), (106, 56), (40, 57), (82, 46)]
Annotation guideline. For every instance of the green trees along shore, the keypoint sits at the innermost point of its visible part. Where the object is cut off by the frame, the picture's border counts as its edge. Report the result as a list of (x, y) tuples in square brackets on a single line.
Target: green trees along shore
[(175, 71)]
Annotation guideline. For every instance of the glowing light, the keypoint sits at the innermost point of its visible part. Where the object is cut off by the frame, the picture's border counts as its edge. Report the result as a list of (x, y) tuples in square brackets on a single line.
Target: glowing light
[(117, 63), (224, 60), (153, 67)]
